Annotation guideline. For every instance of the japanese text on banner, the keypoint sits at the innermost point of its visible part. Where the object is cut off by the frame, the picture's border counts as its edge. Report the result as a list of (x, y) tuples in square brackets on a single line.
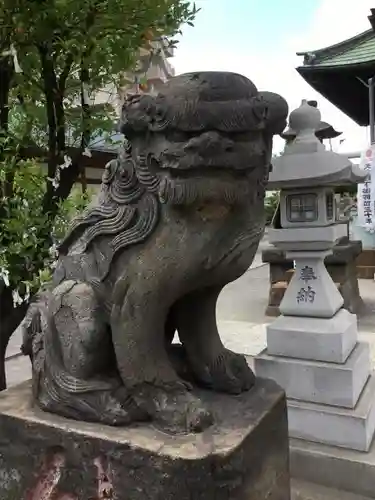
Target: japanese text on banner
[(366, 191)]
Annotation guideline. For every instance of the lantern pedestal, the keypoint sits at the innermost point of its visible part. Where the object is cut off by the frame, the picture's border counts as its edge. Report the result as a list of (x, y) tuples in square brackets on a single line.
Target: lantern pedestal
[(311, 292), (328, 402), (342, 266), (351, 428), (328, 340), (314, 354)]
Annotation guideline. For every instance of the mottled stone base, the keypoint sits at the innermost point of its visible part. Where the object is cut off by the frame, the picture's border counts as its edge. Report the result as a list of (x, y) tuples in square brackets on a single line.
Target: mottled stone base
[(243, 457)]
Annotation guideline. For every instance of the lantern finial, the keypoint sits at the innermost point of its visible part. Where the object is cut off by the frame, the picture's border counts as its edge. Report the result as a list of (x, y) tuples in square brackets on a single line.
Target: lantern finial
[(305, 119)]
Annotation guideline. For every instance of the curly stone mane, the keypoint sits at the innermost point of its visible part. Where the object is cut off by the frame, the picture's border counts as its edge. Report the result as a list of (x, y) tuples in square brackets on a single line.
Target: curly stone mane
[(126, 208), (189, 103)]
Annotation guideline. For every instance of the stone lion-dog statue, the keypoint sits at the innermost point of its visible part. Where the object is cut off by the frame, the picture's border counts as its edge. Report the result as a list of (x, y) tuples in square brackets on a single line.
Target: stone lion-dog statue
[(179, 215)]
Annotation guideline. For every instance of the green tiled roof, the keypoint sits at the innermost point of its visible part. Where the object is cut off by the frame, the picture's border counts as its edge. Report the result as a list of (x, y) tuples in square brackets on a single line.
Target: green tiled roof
[(357, 50)]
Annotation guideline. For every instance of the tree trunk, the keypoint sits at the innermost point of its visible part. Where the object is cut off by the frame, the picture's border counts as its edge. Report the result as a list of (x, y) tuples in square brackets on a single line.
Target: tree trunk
[(8, 315), (10, 318)]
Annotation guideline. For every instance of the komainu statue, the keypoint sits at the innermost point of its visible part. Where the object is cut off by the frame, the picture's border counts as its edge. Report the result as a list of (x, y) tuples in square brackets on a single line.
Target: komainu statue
[(179, 215)]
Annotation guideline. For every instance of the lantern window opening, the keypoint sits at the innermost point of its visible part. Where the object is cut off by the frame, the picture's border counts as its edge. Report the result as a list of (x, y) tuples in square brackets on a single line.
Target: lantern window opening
[(302, 207)]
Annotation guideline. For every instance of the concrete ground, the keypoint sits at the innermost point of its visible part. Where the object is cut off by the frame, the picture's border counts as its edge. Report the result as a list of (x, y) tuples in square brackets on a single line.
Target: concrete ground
[(242, 325), (306, 491)]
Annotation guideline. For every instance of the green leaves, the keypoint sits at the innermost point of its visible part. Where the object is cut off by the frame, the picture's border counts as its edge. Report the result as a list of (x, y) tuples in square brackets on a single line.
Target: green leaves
[(22, 225), (104, 35), (61, 46), (26, 233)]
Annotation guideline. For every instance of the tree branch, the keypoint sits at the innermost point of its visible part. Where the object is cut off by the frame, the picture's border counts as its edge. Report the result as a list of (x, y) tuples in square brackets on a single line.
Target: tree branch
[(50, 90), (6, 74), (65, 73)]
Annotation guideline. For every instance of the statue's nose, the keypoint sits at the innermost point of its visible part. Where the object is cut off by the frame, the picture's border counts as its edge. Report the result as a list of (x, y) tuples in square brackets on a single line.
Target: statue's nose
[(209, 143)]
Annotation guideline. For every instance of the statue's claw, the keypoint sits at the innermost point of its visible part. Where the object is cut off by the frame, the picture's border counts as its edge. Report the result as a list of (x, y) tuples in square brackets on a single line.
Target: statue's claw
[(115, 414), (121, 409), (228, 373), (198, 418), (174, 410)]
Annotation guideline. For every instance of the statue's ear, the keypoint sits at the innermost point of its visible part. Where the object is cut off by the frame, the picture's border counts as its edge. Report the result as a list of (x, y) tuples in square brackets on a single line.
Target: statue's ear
[(277, 111), (137, 113)]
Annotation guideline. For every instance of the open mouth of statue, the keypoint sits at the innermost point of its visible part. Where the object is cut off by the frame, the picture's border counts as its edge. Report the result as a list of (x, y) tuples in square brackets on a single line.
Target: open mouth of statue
[(185, 187), (228, 165)]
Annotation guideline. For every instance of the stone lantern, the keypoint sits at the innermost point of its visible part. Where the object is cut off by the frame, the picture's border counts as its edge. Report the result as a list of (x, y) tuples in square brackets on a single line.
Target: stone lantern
[(341, 263), (312, 348)]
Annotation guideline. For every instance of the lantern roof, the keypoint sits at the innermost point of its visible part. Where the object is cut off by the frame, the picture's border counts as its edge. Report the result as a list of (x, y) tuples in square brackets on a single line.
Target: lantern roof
[(305, 162)]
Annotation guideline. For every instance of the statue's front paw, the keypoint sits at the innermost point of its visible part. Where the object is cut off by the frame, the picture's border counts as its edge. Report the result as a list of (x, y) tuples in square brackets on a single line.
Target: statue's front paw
[(229, 373)]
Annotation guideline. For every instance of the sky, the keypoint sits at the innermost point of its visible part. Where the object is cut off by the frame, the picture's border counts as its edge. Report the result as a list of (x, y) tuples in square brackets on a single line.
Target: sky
[(260, 38)]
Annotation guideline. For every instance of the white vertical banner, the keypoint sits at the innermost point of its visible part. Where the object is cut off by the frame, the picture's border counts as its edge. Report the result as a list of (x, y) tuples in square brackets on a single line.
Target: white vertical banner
[(366, 191)]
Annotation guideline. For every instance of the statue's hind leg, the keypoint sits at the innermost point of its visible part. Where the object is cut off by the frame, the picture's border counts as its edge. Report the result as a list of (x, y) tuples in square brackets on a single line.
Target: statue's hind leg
[(138, 331), (212, 364), (79, 379)]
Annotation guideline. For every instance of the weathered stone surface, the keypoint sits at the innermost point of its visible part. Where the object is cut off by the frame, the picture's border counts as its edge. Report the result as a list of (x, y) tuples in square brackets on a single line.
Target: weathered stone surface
[(243, 456), (179, 216)]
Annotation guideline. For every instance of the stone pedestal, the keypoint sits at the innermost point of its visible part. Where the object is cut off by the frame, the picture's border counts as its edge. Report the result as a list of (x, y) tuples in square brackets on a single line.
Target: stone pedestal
[(243, 456), (327, 377), (314, 354), (341, 265), (311, 291)]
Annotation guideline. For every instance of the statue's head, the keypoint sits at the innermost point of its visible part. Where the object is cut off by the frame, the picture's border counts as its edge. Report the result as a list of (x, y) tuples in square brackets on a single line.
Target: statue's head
[(205, 135)]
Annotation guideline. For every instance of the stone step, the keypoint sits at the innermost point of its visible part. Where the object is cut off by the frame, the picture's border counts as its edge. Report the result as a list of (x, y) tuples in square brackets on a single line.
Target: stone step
[(342, 427), (319, 339), (316, 381), (302, 490), (334, 467)]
